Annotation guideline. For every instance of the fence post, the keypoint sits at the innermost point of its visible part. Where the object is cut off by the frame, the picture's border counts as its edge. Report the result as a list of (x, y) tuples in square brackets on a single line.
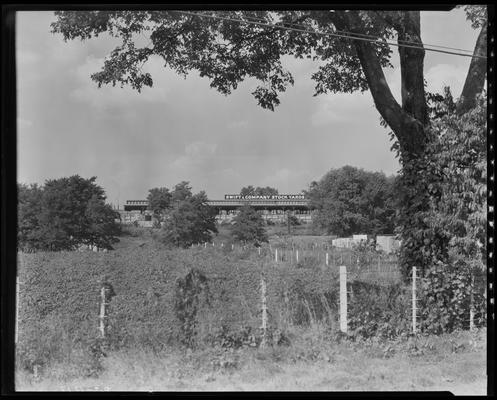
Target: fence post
[(297, 256), (205, 245), (471, 300), (276, 255), (259, 250), (343, 299), (232, 246), (264, 311), (327, 259), (414, 308), (102, 312)]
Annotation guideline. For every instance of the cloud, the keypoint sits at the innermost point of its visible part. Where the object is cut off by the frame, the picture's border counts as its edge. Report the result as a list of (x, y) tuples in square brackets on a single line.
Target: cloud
[(109, 96), (196, 157), (235, 125), (339, 107), (200, 149), (285, 179), (441, 75)]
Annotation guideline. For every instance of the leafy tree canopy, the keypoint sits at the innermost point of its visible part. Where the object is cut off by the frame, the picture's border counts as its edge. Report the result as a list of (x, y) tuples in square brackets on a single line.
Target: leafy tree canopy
[(226, 51), (350, 201), (258, 191), (181, 191), (159, 200), (452, 229), (64, 213), (189, 220), (248, 226)]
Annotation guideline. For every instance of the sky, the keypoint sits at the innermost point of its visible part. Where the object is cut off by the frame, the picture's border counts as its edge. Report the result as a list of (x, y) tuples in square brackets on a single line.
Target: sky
[(181, 129)]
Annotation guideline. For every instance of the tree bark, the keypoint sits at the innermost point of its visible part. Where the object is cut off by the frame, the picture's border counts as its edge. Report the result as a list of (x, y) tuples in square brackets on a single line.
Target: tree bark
[(407, 121), (475, 79)]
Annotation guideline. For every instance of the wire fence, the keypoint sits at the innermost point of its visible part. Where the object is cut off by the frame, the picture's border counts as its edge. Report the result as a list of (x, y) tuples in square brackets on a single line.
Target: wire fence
[(260, 289)]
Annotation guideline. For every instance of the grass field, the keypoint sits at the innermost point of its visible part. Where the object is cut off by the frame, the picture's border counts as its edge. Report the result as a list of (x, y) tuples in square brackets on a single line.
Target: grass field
[(453, 362), (58, 320)]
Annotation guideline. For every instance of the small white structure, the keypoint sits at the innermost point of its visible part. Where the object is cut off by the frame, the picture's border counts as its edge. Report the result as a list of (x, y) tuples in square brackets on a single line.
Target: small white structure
[(387, 243), (345, 243)]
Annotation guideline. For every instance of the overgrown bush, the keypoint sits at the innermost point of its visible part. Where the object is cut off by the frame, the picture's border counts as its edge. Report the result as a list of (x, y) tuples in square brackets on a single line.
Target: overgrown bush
[(378, 310), (191, 291), (444, 299)]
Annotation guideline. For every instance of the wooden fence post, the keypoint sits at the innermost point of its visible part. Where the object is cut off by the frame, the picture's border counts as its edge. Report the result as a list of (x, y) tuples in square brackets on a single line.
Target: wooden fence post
[(102, 312), (414, 308), (343, 299), (471, 305), (276, 255), (264, 311), (327, 259), (259, 250), (297, 255)]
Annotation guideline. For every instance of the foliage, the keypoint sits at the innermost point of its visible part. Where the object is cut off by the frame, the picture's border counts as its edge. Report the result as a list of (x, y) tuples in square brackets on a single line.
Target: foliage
[(293, 220), (159, 200), (190, 220), (378, 311), (248, 226), (258, 191), (458, 204), (28, 213), (444, 227), (350, 200), (444, 299), (182, 191), (445, 219), (220, 46), (58, 304), (65, 213), (226, 52), (190, 291)]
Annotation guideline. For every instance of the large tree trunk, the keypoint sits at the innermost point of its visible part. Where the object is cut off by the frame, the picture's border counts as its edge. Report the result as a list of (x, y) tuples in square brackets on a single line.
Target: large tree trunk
[(409, 123), (408, 120)]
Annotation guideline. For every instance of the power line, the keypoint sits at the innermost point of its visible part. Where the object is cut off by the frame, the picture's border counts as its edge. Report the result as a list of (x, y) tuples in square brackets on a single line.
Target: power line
[(344, 35), (293, 24)]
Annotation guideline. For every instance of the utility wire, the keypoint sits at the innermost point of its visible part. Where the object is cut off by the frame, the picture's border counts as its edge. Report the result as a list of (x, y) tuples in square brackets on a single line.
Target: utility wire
[(292, 24), (344, 35)]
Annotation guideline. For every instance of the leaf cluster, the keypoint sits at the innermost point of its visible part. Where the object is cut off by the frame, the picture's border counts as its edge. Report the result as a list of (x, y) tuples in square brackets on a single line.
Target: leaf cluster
[(349, 200), (248, 226), (65, 213), (228, 52)]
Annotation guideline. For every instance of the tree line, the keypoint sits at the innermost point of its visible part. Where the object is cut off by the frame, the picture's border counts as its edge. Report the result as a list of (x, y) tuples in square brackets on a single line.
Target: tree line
[(63, 214)]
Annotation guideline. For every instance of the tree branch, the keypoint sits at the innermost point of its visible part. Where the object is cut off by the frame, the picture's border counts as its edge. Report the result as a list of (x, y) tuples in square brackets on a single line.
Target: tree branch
[(475, 79), (407, 128)]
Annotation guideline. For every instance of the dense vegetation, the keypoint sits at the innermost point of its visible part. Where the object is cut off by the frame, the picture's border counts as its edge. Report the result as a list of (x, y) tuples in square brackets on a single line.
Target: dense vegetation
[(186, 218), (259, 191), (63, 214), (350, 200), (248, 226)]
